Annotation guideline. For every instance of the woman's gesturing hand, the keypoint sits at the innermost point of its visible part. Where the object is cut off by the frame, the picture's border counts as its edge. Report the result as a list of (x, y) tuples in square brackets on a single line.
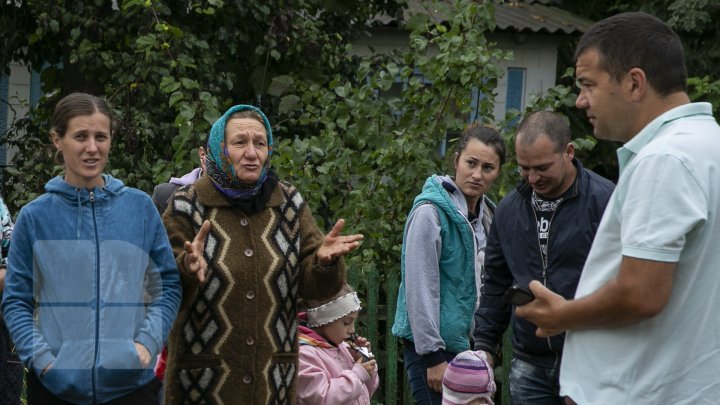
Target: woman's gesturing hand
[(335, 245), (194, 261)]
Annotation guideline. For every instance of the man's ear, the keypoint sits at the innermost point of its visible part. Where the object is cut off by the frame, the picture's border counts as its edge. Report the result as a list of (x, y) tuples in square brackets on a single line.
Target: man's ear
[(570, 150), (637, 83)]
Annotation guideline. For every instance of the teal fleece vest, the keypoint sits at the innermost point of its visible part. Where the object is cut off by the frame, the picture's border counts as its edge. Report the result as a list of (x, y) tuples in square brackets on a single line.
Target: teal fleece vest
[(457, 272)]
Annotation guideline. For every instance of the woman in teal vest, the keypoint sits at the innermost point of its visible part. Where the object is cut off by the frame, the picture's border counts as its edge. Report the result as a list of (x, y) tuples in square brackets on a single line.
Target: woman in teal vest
[(442, 256)]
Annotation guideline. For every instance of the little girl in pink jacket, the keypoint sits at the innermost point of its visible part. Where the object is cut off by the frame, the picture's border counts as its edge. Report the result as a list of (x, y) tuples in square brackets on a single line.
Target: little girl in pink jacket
[(331, 372)]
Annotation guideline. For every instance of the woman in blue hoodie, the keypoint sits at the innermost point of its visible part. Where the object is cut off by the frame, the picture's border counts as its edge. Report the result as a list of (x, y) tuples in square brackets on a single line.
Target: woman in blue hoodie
[(92, 288), (441, 261)]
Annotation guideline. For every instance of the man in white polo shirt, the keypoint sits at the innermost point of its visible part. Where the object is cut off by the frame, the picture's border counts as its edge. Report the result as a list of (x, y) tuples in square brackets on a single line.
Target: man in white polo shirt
[(644, 325)]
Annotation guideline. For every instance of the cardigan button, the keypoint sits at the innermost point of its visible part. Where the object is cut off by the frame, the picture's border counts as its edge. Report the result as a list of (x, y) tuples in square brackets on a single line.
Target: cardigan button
[(247, 379), (250, 295), (249, 341), (248, 252), (243, 221)]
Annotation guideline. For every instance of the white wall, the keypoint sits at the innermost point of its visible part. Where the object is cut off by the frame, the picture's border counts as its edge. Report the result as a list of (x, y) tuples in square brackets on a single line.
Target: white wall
[(18, 92), (18, 98), (537, 53)]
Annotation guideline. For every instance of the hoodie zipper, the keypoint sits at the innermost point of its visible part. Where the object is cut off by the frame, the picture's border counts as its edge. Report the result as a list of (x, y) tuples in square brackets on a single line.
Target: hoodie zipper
[(545, 263), (475, 247), (97, 293)]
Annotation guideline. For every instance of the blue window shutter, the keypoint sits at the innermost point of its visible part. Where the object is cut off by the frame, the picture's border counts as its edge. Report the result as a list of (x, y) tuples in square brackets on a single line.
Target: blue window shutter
[(515, 89), (476, 98), (35, 88)]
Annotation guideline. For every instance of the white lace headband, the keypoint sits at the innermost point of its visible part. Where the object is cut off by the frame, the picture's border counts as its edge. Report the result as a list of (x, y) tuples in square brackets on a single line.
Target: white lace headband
[(333, 310)]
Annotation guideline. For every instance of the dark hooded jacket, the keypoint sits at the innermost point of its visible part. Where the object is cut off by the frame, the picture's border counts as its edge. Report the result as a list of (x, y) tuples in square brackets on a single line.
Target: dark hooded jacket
[(512, 256)]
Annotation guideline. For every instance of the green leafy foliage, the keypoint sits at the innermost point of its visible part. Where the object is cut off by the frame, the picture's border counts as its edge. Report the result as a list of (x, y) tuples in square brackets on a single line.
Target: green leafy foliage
[(374, 136), (168, 68), (358, 136)]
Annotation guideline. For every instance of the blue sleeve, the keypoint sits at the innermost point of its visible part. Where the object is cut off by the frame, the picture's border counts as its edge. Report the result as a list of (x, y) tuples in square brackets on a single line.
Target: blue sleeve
[(163, 287)]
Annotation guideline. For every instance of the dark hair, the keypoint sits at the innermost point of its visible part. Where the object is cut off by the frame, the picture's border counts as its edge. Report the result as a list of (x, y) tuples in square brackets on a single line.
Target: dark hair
[(486, 135), (77, 105), (638, 40), (544, 123)]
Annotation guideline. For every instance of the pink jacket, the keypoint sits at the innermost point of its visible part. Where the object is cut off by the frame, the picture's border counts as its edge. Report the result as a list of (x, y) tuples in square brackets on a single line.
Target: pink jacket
[(323, 379)]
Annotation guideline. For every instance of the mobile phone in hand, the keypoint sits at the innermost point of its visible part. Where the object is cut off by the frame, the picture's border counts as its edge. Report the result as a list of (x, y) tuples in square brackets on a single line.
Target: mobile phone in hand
[(518, 295)]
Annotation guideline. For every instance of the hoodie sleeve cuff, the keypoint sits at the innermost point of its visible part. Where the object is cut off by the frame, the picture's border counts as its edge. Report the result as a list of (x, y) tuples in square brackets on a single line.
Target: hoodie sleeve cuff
[(149, 344), (433, 359), (40, 362), (486, 347)]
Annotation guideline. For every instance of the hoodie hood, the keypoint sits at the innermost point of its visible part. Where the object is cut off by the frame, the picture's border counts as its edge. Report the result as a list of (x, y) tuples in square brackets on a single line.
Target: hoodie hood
[(78, 197), (453, 190), (58, 186)]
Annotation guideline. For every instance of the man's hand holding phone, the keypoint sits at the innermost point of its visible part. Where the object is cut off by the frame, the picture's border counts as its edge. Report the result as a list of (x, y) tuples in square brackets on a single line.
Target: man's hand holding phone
[(547, 311), (518, 295)]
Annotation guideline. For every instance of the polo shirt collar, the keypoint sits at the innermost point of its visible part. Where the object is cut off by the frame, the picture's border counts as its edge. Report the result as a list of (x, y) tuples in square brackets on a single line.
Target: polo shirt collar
[(632, 147)]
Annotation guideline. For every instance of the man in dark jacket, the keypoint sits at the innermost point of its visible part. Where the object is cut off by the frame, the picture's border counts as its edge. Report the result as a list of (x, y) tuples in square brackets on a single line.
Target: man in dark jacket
[(542, 231)]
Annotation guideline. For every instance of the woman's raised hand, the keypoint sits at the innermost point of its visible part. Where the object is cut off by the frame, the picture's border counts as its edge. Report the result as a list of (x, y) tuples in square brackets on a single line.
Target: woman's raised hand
[(335, 245), (194, 261)]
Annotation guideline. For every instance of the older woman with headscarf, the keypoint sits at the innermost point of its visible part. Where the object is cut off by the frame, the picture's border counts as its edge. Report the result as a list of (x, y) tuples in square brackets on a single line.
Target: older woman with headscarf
[(235, 339)]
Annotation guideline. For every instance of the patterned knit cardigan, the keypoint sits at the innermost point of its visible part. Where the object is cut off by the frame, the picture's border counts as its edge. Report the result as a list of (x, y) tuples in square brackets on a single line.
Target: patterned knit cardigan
[(235, 338)]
